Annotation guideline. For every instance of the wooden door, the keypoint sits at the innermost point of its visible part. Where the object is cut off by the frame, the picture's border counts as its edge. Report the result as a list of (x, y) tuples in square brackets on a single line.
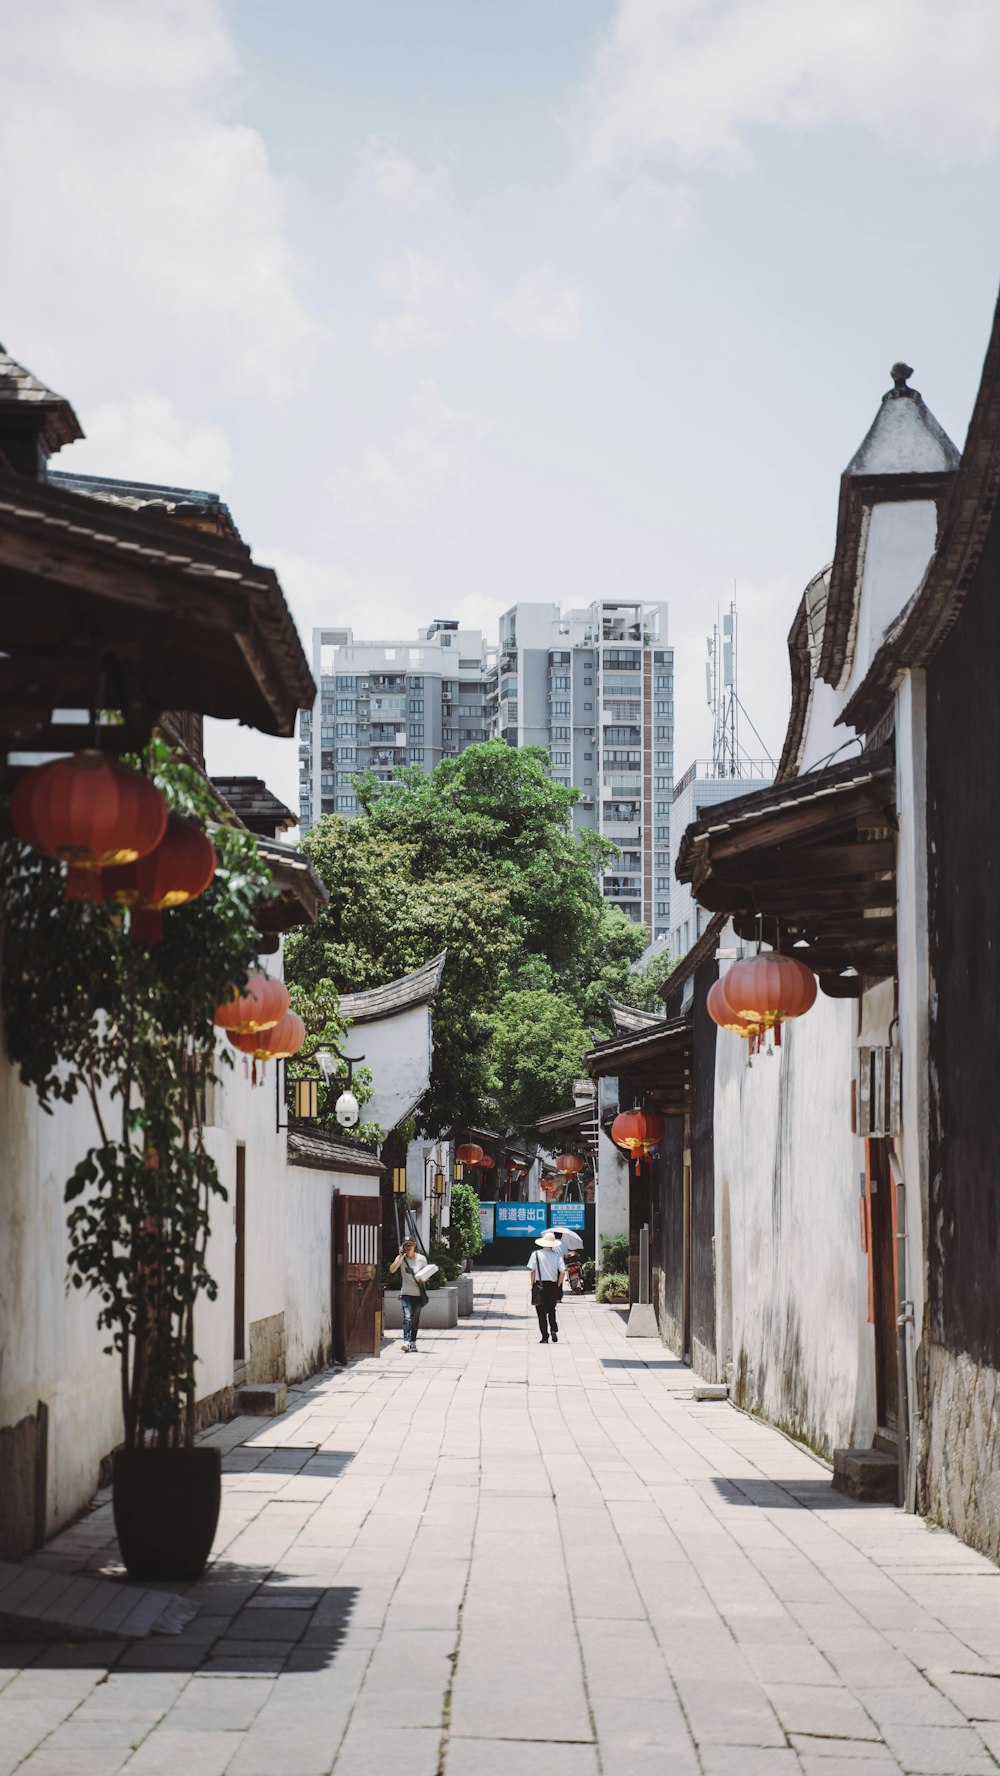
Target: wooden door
[(882, 1259), (357, 1244), (239, 1290)]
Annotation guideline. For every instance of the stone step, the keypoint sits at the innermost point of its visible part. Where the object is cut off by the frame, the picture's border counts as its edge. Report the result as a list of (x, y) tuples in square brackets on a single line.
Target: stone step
[(866, 1474), (263, 1399), (38, 1602)]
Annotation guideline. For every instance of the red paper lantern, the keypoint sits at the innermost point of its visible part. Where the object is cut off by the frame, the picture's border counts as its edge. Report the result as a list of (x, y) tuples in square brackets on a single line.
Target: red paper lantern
[(278, 1043), (178, 870), (769, 989), (639, 1132), (486, 1164), (89, 812), (470, 1154), (721, 1012), (570, 1163), (259, 1007)]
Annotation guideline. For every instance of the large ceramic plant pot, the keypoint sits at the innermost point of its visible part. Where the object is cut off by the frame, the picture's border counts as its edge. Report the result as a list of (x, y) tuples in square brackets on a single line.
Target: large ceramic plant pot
[(166, 1505)]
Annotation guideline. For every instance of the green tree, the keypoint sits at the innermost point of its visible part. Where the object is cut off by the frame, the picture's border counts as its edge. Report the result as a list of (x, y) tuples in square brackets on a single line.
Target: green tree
[(480, 859)]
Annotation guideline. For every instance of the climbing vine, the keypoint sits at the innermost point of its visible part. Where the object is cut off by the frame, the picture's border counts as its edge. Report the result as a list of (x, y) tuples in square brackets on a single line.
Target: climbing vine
[(88, 1014)]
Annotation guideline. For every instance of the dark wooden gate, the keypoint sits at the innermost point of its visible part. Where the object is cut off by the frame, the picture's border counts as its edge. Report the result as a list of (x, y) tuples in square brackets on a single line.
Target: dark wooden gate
[(882, 1259), (357, 1296)]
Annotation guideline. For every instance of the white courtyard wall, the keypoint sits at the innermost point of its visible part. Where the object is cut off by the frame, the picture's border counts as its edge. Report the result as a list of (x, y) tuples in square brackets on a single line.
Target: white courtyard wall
[(786, 1166)]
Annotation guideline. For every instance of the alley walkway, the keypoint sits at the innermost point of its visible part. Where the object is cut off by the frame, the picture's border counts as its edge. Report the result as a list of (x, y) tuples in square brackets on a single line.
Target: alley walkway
[(497, 1558)]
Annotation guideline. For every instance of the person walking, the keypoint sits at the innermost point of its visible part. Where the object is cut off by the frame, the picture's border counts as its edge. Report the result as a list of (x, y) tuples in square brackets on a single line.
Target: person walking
[(412, 1295), (547, 1269)]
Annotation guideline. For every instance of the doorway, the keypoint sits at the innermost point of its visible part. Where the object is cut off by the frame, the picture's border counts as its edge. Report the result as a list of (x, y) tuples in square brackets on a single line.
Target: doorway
[(240, 1267), (884, 1308)]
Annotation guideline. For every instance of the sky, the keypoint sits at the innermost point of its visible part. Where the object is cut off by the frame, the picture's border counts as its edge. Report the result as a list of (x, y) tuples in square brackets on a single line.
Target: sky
[(467, 302)]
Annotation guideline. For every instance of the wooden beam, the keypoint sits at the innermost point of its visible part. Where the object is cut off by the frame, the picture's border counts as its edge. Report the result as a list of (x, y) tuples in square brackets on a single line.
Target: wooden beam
[(810, 863)]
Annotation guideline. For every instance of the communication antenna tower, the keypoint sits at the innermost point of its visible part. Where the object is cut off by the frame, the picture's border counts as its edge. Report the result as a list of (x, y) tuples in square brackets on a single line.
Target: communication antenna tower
[(723, 697)]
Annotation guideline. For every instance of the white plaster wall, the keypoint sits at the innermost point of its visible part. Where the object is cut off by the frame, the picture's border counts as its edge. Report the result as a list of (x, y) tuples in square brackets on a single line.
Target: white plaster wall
[(309, 1258), (398, 1051), (901, 538), (612, 1194), (786, 1165), (915, 991)]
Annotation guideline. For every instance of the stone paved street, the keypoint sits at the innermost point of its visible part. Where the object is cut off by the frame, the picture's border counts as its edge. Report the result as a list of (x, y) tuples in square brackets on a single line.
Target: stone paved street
[(500, 1559)]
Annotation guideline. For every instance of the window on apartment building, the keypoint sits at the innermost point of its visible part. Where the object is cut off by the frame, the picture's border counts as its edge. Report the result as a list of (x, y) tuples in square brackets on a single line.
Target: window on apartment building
[(664, 756), (326, 805), (416, 755), (347, 804), (663, 731), (326, 735), (327, 709), (663, 782), (587, 782), (559, 682), (346, 730), (588, 706), (560, 709), (447, 734), (661, 832), (588, 681), (663, 884), (327, 780), (417, 730), (347, 705), (663, 909), (346, 754), (416, 706), (588, 756), (560, 758)]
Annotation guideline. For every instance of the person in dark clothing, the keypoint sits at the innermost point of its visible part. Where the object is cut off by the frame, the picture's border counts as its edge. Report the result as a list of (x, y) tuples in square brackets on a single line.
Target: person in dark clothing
[(547, 1270)]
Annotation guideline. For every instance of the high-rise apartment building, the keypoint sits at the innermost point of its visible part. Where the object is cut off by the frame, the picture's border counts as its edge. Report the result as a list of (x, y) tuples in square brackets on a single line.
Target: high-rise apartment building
[(595, 688), (382, 704)]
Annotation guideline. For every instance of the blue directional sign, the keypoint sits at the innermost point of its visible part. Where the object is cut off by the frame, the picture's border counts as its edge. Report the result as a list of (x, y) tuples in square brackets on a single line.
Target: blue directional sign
[(521, 1220), (569, 1215)]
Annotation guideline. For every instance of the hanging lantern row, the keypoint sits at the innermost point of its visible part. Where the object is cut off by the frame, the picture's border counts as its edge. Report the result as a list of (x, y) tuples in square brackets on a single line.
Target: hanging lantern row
[(639, 1132), (110, 826), (761, 994)]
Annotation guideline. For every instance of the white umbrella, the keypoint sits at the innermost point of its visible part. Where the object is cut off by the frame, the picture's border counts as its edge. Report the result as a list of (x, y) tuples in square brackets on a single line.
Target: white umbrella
[(571, 1241)]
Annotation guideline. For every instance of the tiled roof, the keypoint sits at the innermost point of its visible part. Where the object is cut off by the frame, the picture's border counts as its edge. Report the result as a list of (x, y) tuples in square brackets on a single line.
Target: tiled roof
[(256, 805), (314, 1147), (629, 1018), (418, 988), (301, 893), (191, 504), (58, 423), (154, 572)]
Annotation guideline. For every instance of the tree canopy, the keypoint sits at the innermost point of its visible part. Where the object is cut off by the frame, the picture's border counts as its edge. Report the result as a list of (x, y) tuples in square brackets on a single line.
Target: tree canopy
[(478, 858)]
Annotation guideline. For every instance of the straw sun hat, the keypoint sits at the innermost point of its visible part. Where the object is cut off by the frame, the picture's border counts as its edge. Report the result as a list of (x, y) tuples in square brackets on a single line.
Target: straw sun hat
[(548, 1239)]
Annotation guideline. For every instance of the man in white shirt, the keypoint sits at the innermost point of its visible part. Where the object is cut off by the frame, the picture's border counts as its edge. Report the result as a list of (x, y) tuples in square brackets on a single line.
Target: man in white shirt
[(547, 1270)]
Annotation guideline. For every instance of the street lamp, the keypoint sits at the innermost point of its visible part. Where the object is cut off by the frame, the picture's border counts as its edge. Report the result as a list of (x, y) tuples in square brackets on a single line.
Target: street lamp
[(440, 1183)]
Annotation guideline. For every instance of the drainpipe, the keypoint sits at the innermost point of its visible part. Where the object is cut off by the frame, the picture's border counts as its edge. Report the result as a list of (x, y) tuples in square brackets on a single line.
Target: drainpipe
[(904, 1320)]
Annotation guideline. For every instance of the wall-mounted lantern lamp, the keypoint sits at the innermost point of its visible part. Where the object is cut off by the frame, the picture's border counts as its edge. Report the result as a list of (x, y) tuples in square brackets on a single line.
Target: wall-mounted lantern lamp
[(305, 1098), (440, 1183), (459, 1171), (399, 1180)]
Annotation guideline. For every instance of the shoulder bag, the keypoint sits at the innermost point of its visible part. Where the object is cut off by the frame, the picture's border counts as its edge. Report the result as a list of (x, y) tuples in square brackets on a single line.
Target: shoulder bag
[(424, 1297)]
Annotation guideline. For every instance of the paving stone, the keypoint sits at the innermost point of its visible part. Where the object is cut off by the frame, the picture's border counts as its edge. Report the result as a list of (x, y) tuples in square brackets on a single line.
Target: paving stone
[(499, 1757), (940, 1751)]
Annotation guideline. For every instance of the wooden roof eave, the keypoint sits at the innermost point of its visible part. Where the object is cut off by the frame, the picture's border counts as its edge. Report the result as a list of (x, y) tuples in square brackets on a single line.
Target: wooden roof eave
[(191, 618)]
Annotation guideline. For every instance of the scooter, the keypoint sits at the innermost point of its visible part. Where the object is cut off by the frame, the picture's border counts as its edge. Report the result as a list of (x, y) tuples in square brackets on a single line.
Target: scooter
[(574, 1271)]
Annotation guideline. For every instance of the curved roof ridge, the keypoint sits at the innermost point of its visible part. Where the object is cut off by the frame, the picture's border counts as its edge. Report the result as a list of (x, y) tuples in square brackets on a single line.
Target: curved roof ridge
[(410, 990)]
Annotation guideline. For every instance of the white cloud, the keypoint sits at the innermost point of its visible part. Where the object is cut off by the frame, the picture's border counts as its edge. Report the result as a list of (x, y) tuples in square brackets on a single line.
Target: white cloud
[(138, 204), (429, 457), (431, 294), (383, 172), (145, 439), (540, 308), (693, 80)]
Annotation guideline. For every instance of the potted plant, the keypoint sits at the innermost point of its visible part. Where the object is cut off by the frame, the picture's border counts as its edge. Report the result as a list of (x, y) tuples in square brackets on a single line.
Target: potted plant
[(88, 1012)]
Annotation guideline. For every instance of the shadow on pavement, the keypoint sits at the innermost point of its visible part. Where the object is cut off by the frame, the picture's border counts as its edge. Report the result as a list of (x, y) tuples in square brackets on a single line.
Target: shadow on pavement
[(787, 1495), (642, 1363), (248, 1625)]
